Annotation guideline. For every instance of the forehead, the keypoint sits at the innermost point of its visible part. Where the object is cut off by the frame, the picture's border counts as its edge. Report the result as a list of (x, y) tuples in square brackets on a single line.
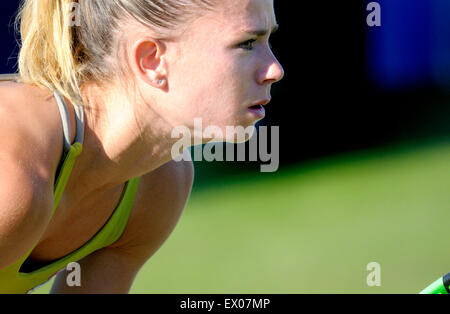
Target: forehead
[(243, 14)]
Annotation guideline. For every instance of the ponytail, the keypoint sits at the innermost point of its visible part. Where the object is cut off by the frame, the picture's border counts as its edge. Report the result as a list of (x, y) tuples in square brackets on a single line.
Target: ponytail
[(47, 56)]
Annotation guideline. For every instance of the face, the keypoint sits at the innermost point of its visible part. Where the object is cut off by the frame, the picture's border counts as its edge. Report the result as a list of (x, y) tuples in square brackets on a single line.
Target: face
[(222, 65)]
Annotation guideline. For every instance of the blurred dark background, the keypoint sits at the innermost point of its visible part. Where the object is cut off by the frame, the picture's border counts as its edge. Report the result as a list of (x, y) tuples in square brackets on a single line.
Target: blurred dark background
[(347, 86), (350, 86)]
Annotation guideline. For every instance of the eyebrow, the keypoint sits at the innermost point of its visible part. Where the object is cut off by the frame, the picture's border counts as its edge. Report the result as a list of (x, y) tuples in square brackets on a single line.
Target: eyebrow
[(262, 32)]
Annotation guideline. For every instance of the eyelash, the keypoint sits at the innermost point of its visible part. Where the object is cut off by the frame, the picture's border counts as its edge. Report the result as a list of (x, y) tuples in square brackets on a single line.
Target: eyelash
[(245, 44)]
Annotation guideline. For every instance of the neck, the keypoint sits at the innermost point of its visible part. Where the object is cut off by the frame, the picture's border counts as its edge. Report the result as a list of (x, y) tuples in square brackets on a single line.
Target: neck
[(121, 141)]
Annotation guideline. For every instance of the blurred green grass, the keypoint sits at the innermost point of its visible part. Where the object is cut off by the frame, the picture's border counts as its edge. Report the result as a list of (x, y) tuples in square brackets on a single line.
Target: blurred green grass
[(313, 228)]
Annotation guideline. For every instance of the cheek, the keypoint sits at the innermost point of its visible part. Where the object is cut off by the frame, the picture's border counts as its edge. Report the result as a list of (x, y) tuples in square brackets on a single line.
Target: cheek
[(213, 86), (233, 77), (216, 75), (228, 86)]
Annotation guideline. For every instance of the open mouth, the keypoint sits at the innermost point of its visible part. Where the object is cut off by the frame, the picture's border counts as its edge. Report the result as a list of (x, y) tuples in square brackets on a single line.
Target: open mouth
[(256, 107), (257, 110)]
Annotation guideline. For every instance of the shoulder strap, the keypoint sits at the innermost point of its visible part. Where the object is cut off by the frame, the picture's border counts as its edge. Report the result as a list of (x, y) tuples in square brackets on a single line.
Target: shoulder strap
[(65, 118), (15, 77)]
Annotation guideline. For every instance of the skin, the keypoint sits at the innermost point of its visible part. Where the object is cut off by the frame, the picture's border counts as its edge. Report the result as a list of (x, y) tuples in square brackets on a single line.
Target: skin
[(126, 137)]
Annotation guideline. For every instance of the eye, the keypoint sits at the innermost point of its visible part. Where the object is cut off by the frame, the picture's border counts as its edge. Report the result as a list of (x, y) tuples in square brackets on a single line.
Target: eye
[(247, 45)]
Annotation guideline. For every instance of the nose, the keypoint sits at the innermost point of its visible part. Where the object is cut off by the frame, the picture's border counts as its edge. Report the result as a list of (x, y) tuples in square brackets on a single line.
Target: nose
[(272, 73)]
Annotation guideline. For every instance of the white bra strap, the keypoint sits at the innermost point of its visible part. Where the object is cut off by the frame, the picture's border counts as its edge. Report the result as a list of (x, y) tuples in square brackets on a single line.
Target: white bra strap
[(65, 118)]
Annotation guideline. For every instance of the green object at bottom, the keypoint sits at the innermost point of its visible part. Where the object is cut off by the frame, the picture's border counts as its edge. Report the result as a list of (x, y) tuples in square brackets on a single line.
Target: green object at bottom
[(436, 287)]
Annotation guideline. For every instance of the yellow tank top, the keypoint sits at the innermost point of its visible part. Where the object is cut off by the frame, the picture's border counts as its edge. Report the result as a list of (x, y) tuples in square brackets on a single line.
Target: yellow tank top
[(18, 277)]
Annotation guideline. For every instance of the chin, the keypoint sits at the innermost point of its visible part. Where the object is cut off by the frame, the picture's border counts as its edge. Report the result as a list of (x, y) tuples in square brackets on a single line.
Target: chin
[(239, 134), (233, 131)]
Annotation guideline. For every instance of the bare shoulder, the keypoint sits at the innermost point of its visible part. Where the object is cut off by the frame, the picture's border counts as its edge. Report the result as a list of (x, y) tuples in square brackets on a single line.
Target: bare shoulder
[(160, 200), (26, 164), (29, 127)]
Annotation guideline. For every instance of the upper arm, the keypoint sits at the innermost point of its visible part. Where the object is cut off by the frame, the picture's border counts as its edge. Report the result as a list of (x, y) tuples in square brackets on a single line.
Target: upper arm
[(108, 270), (26, 184), (25, 209), (160, 200)]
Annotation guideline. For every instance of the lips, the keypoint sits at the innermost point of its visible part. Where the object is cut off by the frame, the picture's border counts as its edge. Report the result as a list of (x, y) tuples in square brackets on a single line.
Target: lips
[(258, 104), (256, 107)]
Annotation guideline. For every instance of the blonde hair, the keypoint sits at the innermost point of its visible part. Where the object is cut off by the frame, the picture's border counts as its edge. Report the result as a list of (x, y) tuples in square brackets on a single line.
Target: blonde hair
[(58, 54)]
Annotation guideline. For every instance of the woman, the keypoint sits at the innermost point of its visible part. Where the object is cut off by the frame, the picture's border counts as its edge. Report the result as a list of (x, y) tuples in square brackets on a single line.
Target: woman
[(88, 175)]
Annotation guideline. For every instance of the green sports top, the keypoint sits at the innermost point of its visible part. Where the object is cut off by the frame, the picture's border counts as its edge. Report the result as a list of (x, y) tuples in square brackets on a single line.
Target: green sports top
[(13, 279)]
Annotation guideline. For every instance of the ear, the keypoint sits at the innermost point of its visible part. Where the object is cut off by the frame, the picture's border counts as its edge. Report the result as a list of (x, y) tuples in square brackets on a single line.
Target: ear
[(149, 57)]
